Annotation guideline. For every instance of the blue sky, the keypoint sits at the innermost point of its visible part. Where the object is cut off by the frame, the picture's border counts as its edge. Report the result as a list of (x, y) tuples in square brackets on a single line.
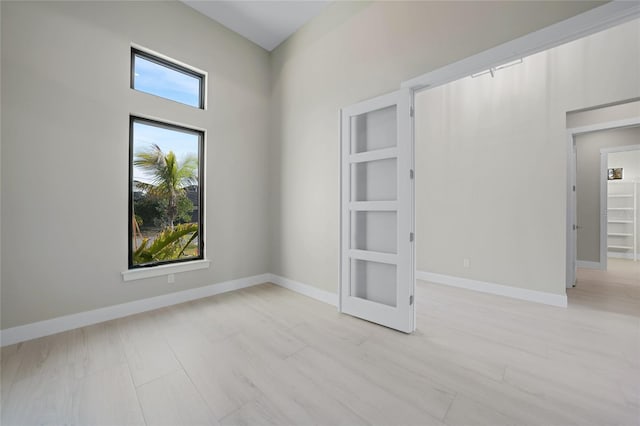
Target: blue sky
[(144, 135), (168, 83)]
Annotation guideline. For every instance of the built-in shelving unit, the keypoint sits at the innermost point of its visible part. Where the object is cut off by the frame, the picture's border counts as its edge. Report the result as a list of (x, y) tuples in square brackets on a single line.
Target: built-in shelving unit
[(622, 218)]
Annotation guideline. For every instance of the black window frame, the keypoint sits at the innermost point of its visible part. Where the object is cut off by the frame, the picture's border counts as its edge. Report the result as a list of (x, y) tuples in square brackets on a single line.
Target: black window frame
[(171, 65), (170, 126)]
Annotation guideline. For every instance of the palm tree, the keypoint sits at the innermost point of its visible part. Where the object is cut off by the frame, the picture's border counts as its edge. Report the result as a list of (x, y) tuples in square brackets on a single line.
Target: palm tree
[(169, 177)]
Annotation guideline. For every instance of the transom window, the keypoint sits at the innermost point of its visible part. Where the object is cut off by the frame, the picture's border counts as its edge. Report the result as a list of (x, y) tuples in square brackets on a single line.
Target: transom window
[(160, 77)]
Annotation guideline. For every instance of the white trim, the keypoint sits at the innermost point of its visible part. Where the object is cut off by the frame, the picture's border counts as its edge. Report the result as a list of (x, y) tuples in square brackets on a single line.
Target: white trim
[(619, 255), (571, 230), (160, 270), (498, 289), (170, 122), (374, 256), (582, 25), (378, 154), (305, 289), (607, 125), (623, 148), (604, 209), (34, 330), (587, 264), (373, 206)]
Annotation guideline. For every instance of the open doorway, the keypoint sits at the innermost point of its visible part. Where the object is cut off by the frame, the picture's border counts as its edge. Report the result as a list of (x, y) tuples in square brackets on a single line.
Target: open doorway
[(491, 154), (604, 226)]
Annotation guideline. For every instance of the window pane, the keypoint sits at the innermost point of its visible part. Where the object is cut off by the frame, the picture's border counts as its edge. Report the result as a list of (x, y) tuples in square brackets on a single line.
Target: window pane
[(165, 193), (154, 77), (374, 281), (375, 180)]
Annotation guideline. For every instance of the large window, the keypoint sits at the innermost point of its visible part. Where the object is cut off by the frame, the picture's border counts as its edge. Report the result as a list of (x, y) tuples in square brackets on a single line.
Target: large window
[(160, 77), (165, 193)]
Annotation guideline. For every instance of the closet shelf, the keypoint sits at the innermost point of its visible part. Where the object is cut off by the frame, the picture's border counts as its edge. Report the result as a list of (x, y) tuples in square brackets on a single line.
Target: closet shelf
[(624, 213)]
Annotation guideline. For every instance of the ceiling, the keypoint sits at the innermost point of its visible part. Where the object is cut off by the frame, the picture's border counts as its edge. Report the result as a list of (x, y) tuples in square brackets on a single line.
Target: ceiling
[(266, 23)]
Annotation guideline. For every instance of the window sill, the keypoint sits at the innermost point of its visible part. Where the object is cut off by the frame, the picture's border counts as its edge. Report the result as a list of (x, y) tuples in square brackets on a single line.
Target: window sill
[(158, 271)]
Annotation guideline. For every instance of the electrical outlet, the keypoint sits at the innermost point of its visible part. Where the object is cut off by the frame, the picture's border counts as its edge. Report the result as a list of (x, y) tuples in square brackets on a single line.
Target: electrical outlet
[(171, 278), (465, 262)]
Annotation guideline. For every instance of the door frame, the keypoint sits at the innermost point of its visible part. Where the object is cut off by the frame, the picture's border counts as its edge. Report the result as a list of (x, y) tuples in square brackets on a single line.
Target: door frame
[(571, 199)]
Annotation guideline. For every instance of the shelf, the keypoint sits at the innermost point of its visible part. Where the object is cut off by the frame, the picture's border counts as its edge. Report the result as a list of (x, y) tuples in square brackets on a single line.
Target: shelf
[(622, 232)]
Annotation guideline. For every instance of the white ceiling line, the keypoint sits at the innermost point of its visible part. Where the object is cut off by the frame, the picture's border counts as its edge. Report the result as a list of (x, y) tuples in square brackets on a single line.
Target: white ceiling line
[(267, 23)]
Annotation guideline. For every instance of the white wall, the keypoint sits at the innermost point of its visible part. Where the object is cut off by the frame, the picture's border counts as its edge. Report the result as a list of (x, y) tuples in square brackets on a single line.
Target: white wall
[(0, 160), (65, 121), (65, 107), (351, 52), (629, 161), (491, 160)]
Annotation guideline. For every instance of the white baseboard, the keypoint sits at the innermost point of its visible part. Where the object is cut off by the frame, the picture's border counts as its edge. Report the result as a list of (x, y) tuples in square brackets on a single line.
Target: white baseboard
[(619, 255), (587, 264), (305, 289), (34, 330), (491, 288)]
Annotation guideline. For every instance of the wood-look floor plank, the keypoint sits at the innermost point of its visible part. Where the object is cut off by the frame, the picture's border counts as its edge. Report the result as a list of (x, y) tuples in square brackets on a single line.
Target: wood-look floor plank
[(255, 413), (106, 398), (148, 354), (374, 403), (465, 411), (268, 356), (9, 365), (40, 399), (173, 400), (219, 372), (428, 395)]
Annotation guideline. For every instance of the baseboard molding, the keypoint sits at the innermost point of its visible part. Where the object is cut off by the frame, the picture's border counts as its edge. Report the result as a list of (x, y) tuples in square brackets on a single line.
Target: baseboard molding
[(34, 330), (305, 289), (25, 332), (618, 255), (588, 264), (498, 289)]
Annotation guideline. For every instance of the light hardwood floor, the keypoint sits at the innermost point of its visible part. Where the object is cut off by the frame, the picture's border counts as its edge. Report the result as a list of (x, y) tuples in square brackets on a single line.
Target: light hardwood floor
[(265, 355)]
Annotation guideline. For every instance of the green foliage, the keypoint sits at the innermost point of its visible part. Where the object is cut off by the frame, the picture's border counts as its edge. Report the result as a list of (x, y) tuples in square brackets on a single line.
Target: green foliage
[(185, 208), (169, 178), (152, 211), (170, 244)]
